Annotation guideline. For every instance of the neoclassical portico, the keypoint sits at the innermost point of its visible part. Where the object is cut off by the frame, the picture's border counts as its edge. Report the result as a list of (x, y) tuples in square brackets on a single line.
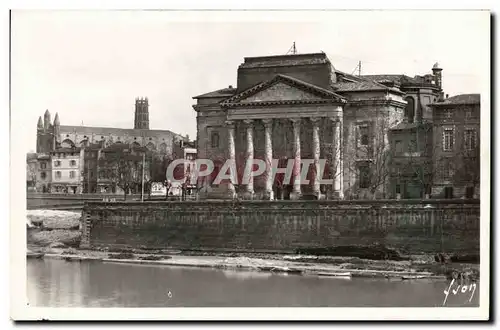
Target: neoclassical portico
[(264, 108), (336, 160)]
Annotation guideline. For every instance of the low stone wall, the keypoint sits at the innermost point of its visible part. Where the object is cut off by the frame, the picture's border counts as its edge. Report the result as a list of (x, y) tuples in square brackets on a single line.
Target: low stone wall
[(409, 225), (40, 200)]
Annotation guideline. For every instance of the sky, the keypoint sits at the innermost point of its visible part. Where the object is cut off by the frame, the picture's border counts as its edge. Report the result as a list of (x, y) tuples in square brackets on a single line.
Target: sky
[(89, 66)]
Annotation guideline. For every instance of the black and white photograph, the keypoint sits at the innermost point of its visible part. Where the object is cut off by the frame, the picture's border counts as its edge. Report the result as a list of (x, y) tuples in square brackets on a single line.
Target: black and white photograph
[(252, 159)]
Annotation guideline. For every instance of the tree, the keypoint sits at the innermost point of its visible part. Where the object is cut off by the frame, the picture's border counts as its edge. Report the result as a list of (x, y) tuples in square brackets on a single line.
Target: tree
[(123, 167), (369, 162), (467, 167), (31, 174), (412, 161)]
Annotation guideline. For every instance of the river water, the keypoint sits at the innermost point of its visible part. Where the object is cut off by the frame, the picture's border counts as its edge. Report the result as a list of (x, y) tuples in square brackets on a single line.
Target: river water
[(57, 283)]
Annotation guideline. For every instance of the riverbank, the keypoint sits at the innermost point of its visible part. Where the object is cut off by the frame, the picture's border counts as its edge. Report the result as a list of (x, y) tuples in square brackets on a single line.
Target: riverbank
[(305, 265), (55, 234)]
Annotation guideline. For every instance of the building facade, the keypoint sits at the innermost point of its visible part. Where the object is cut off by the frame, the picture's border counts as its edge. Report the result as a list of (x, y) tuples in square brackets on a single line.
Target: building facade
[(67, 170), (456, 152), (31, 171), (294, 107), (411, 160), (121, 169), (43, 173)]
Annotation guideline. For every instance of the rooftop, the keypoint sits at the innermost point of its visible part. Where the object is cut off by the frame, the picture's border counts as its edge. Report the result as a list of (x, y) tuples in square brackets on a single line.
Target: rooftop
[(351, 83), (461, 99), (285, 60), (31, 156), (66, 150), (123, 146), (405, 125), (400, 79), (220, 93), (66, 129)]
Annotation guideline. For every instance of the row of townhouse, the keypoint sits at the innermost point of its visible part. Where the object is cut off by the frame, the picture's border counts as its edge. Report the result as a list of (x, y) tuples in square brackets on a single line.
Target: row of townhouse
[(97, 168), (438, 158)]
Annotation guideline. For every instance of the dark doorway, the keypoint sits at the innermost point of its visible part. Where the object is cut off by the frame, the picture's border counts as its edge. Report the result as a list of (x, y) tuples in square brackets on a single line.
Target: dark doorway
[(469, 192), (448, 192), (410, 109), (287, 191)]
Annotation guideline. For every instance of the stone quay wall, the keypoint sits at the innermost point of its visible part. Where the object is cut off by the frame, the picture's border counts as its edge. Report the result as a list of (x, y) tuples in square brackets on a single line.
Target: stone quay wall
[(44, 200), (412, 226)]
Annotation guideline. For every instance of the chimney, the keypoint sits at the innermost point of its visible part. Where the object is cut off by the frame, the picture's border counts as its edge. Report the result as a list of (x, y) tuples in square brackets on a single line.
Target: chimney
[(447, 95)]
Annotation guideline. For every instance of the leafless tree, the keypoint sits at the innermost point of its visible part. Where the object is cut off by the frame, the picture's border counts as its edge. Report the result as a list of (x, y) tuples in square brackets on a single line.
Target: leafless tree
[(123, 169), (370, 158), (30, 174)]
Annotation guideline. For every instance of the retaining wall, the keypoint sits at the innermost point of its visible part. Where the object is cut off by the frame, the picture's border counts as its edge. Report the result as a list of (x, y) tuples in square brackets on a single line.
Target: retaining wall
[(411, 226)]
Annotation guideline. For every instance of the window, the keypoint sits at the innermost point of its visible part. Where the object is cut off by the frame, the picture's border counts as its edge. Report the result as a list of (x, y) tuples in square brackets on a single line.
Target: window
[(57, 163), (410, 109), (448, 139), (448, 192), (43, 175), (398, 146), (72, 174), (364, 176), (398, 189), (469, 192), (468, 114), (364, 135), (470, 139), (412, 145), (58, 174), (43, 166), (447, 170), (447, 114), (91, 174), (214, 139), (72, 163)]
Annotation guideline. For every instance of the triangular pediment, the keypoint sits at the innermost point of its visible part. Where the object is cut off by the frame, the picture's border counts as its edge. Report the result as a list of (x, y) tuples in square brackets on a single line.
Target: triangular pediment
[(280, 91), (283, 89)]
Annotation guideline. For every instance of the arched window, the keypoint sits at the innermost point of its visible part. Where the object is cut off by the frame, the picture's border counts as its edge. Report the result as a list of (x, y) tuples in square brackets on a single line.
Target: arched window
[(67, 143), (214, 139), (163, 148), (410, 109), (150, 146)]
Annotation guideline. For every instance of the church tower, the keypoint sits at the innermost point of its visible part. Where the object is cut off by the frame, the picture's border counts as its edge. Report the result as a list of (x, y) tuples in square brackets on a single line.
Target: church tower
[(141, 119), (39, 133), (46, 120), (57, 133)]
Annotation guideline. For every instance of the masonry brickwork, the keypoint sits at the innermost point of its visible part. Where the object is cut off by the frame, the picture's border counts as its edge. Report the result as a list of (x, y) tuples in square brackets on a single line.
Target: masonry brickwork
[(413, 227)]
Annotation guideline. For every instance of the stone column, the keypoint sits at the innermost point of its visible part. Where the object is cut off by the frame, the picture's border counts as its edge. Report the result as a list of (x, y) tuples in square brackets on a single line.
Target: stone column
[(296, 192), (249, 158), (232, 157), (338, 191), (316, 155), (268, 126)]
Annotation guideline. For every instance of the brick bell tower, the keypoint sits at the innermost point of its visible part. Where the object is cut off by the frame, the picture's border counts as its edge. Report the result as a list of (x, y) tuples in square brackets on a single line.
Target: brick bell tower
[(141, 119)]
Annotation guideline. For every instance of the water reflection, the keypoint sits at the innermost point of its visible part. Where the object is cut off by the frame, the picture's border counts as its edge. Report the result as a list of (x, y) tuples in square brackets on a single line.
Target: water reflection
[(245, 275), (57, 283)]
